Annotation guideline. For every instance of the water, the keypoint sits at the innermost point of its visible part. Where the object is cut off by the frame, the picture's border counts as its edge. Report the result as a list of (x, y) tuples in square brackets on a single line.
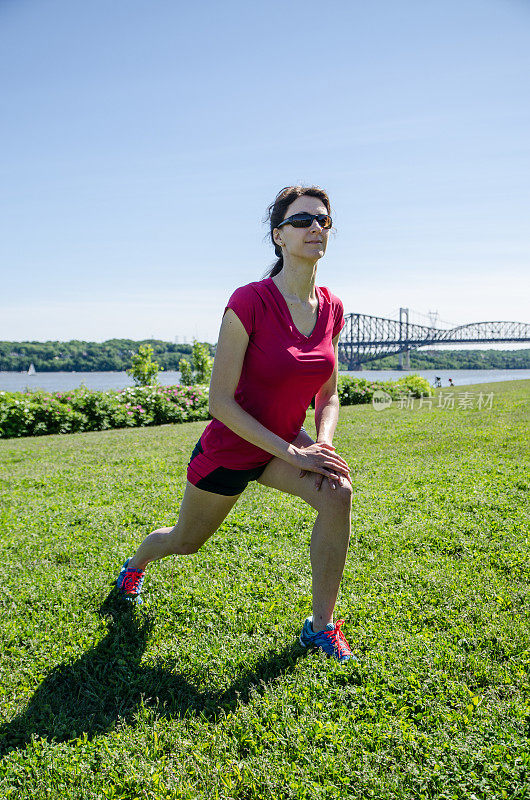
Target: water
[(65, 381), (461, 377)]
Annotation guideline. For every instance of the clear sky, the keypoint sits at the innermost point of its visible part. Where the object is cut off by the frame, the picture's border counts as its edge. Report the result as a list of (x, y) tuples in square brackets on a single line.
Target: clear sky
[(141, 142)]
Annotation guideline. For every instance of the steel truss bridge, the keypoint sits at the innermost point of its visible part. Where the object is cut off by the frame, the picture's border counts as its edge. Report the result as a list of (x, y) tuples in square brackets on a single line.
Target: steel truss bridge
[(365, 338)]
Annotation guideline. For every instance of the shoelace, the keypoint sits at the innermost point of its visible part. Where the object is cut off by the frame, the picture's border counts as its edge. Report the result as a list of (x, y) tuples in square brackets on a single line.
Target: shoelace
[(132, 581), (338, 639)]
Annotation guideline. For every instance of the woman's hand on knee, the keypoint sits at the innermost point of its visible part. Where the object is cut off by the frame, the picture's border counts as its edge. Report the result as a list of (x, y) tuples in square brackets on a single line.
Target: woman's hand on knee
[(320, 478), (321, 459)]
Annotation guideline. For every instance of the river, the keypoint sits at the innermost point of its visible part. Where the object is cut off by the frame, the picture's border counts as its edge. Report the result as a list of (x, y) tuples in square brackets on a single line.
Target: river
[(65, 381)]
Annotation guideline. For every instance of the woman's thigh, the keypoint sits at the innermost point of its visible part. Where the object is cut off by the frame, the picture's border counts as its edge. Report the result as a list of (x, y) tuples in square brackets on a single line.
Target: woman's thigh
[(200, 515), (278, 474)]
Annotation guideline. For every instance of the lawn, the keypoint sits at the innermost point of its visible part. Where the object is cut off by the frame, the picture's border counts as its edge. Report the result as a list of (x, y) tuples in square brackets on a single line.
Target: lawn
[(203, 692)]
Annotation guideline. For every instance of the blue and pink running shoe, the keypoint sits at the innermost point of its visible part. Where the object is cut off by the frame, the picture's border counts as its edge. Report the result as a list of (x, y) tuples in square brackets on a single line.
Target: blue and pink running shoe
[(331, 640), (129, 583)]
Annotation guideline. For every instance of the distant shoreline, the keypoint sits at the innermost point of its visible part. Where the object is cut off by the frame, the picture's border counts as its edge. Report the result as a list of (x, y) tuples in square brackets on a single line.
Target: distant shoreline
[(115, 355), (365, 371), (114, 380)]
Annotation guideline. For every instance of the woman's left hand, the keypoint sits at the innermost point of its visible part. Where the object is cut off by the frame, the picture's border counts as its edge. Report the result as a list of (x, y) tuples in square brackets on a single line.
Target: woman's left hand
[(319, 478)]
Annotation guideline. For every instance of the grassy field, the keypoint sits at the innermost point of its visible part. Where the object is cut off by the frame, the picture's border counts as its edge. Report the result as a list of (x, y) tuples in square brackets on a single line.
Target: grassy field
[(204, 692)]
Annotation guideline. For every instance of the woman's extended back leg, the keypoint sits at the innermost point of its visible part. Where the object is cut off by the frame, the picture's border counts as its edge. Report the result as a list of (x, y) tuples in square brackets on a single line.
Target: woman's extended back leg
[(200, 515)]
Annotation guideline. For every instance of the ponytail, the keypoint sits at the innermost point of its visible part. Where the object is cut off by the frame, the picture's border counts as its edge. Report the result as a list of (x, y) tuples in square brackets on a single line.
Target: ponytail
[(277, 266)]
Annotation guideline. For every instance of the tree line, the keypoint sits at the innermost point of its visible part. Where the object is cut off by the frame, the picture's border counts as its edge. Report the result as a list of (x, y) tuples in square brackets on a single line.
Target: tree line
[(79, 356), (457, 359), (117, 354)]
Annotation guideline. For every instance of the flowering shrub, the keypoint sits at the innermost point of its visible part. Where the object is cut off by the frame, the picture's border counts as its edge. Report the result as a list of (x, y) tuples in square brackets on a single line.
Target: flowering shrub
[(38, 413)]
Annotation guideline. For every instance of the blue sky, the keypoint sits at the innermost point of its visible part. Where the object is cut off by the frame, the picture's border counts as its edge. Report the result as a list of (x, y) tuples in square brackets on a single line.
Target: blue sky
[(141, 143)]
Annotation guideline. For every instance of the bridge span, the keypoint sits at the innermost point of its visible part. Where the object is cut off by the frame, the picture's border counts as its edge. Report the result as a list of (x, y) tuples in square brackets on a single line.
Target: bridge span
[(365, 338)]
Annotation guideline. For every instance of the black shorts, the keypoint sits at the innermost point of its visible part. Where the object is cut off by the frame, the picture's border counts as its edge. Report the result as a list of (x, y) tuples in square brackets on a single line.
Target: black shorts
[(219, 480)]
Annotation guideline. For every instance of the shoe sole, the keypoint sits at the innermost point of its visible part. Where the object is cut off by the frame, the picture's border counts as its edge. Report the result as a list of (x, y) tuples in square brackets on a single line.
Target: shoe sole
[(132, 598)]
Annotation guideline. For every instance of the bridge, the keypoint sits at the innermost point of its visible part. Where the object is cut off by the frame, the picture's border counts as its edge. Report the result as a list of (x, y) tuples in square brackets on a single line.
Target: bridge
[(365, 338)]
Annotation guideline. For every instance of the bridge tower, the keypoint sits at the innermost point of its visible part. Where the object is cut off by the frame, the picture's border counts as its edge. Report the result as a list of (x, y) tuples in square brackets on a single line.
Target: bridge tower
[(404, 337)]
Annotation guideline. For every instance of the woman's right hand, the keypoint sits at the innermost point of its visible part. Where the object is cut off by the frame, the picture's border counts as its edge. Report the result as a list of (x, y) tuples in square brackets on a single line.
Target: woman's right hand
[(319, 458)]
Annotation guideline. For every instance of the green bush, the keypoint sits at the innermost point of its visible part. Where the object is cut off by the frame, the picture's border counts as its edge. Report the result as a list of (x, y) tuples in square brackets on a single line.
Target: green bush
[(353, 391), (416, 385), (39, 413)]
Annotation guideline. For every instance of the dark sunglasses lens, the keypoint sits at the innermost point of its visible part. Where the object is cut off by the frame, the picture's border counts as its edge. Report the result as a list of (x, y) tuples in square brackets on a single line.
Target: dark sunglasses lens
[(301, 220), (306, 220)]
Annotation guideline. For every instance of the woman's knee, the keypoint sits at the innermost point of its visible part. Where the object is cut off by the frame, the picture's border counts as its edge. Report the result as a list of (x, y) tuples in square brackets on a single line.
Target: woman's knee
[(184, 542), (182, 545), (334, 501), (185, 548)]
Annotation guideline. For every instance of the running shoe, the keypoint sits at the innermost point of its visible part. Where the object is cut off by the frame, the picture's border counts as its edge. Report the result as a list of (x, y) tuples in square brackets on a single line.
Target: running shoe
[(331, 640), (129, 583)]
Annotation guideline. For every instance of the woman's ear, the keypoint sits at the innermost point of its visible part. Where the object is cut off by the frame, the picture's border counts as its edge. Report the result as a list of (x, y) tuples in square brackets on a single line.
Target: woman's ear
[(277, 237)]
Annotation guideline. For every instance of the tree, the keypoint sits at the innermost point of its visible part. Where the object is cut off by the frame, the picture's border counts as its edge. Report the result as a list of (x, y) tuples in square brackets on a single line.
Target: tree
[(202, 362), (144, 370), (186, 377)]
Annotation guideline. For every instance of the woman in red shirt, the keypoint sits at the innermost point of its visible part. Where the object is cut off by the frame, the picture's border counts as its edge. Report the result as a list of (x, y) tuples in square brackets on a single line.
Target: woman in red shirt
[(277, 349)]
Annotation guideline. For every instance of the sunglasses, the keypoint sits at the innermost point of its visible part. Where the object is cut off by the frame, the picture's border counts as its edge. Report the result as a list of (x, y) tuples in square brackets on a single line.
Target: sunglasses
[(305, 220)]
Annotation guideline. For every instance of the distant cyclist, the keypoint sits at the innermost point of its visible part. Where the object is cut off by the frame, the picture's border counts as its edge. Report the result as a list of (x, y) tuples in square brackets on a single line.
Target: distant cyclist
[(277, 349)]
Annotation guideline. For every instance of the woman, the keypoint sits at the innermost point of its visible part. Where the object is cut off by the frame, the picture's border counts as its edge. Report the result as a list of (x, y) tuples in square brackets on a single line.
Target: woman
[(277, 349)]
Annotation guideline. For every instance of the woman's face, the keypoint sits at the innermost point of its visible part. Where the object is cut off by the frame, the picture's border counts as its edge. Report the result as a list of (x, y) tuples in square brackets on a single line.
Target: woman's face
[(308, 243)]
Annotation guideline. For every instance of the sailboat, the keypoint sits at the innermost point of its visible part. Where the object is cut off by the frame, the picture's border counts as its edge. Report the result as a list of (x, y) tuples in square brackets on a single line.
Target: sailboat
[(31, 370)]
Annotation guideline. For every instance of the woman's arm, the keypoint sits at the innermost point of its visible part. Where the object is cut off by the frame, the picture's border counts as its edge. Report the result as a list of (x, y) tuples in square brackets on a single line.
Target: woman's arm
[(327, 407), (229, 355), (327, 403)]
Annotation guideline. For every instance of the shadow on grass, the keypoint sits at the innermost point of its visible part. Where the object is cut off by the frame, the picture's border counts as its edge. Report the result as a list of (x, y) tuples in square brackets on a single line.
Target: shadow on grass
[(108, 683)]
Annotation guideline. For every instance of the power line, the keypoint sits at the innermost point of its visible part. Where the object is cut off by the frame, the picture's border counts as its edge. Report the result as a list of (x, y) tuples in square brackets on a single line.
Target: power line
[(432, 317), (391, 314), (429, 317)]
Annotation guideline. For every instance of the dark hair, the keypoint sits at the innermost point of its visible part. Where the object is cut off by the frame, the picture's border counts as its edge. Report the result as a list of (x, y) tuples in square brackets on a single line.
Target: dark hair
[(276, 213)]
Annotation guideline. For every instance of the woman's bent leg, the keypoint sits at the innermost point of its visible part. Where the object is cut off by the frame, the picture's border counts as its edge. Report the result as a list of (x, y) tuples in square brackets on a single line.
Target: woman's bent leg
[(200, 515), (331, 531), (329, 547)]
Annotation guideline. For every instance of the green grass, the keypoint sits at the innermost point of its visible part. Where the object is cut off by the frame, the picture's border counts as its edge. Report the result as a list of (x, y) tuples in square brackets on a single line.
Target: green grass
[(204, 692)]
